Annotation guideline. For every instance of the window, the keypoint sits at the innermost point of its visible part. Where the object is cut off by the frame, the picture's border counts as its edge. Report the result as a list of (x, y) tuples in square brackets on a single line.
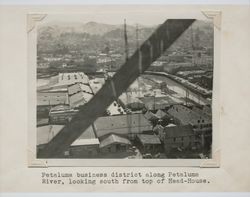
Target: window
[(174, 139)]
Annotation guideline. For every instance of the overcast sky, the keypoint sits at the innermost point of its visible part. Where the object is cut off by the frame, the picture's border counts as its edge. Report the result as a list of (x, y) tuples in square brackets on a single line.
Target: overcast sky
[(150, 15)]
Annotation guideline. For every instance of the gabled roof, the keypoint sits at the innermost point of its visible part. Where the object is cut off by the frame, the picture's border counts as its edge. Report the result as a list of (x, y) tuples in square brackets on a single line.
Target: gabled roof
[(160, 114), (78, 87), (111, 139), (149, 139), (150, 116), (79, 98)]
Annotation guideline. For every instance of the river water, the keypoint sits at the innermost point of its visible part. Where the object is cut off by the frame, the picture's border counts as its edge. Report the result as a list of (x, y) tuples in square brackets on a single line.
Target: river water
[(172, 85), (180, 89)]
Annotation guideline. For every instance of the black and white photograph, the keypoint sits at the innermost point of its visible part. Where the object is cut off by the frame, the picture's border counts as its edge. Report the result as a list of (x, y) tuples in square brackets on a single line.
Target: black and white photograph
[(124, 87), (145, 98)]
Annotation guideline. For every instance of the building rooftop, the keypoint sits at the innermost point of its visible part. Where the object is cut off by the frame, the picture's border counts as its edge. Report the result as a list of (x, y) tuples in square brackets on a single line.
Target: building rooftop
[(79, 98), (82, 142), (149, 139), (161, 114), (150, 116), (51, 98), (121, 124), (115, 109), (79, 87), (206, 111), (111, 139), (129, 98), (152, 103), (71, 78), (178, 131), (42, 121), (60, 108), (48, 132), (187, 116)]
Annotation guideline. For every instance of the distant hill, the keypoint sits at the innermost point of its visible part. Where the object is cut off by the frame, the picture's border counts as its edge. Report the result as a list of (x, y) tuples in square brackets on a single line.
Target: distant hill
[(93, 35)]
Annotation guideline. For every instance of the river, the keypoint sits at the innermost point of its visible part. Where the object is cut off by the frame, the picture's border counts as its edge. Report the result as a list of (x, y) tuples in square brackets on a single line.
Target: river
[(180, 89)]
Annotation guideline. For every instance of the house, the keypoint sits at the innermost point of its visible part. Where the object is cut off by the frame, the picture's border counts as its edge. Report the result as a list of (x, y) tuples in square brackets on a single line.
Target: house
[(114, 143), (149, 143), (127, 125), (179, 137), (183, 115)]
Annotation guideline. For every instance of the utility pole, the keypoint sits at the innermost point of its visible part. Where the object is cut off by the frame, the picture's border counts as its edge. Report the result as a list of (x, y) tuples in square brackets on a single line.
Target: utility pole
[(137, 37), (139, 89), (187, 96), (154, 99), (126, 41)]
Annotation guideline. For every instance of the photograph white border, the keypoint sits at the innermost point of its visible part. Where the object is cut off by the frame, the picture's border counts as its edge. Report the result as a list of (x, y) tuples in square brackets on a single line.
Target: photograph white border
[(33, 19)]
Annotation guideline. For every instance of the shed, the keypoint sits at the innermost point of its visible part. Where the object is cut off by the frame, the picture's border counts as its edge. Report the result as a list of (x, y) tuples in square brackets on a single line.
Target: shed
[(149, 143)]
